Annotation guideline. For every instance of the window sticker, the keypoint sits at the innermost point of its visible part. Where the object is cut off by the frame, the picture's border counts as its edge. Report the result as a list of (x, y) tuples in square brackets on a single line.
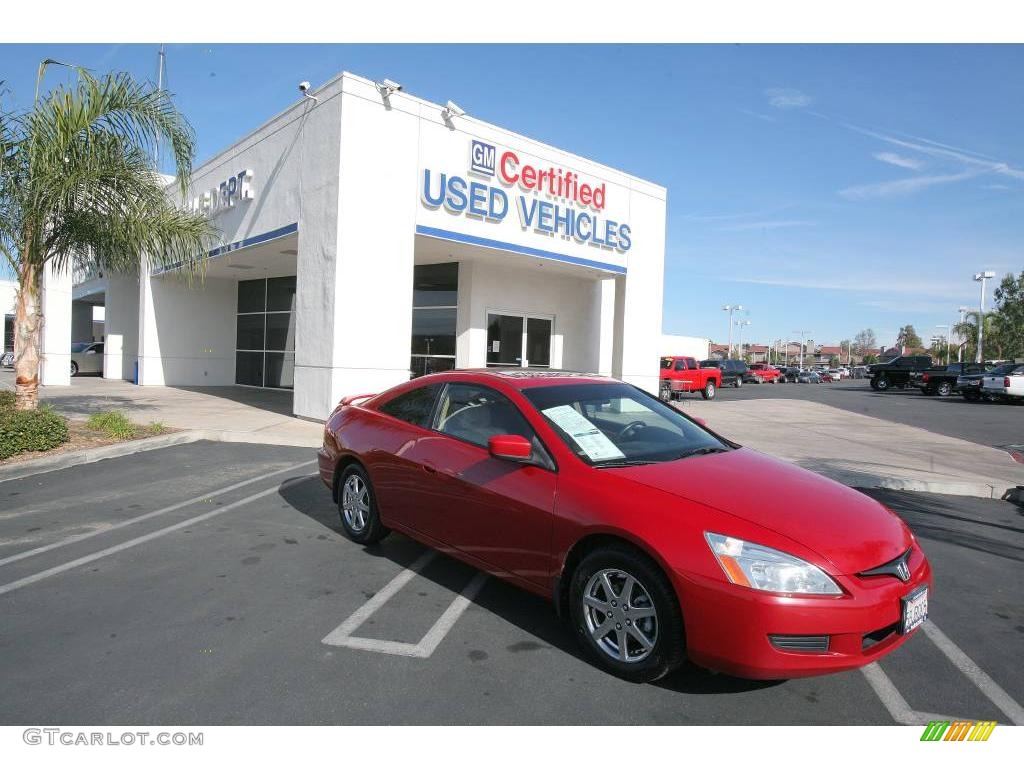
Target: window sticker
[(588, 437)]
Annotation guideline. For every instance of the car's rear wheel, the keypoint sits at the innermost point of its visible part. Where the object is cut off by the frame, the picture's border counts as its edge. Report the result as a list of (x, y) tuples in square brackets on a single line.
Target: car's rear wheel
[(665, 392), (357, 507), (881, 383), (626, 615), (708, 393), (74, 368), (737, 382), (944, 389)]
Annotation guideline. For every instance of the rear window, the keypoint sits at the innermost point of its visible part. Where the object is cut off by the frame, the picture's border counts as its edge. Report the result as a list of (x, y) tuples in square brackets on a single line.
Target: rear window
[(415, 406)]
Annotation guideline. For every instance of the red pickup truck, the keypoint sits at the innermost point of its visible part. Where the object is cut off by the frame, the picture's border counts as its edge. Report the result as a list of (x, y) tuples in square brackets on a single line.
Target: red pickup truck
[(684, 374)]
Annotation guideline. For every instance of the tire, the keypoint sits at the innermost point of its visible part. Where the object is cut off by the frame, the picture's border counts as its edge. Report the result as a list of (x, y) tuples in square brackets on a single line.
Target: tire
[(357, 507), (665, 393), (881, 384), (708, 393), (74, 368), (945, 389), (650, 593), (738, 382)]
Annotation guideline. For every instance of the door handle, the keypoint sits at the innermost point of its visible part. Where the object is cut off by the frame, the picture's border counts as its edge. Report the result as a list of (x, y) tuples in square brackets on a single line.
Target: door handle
[(429, 468)]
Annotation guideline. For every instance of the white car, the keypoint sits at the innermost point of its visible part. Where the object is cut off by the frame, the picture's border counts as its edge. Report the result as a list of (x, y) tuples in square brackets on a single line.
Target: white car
[(1004, 386)]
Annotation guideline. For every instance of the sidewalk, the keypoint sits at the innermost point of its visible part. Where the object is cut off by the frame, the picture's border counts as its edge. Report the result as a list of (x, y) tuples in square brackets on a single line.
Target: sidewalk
[(233, 414), (861, 451)]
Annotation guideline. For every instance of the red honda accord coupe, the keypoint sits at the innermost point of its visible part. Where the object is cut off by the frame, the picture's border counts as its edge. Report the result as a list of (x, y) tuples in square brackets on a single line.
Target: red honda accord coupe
[(656, 538)]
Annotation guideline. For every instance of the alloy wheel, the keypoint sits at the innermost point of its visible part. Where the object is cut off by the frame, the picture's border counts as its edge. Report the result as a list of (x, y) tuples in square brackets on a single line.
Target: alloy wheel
[(355, 503), (620, 615)]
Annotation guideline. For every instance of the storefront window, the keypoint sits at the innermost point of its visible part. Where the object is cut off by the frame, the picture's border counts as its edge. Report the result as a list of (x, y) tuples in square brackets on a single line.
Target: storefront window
[(434, 307), (265, 333)]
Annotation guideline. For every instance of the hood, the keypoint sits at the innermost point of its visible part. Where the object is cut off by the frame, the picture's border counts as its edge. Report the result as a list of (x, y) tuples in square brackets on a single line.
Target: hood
[(847, 528)]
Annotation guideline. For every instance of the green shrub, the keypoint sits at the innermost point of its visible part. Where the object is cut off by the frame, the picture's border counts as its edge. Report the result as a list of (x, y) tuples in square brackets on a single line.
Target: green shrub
[(114, 423), (6, 400), (22, 431), (156, 428)]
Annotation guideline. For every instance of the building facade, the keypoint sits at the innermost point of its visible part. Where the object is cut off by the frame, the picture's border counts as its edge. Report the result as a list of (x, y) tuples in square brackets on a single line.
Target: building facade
[(369, 235)]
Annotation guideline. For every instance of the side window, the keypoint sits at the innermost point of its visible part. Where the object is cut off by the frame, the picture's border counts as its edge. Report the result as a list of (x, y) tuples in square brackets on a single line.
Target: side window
[(415, 406), (475, 414), (680, 365)]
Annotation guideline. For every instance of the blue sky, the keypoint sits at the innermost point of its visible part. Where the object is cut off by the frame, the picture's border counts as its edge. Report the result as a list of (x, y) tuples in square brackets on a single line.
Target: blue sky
[(826, 188)]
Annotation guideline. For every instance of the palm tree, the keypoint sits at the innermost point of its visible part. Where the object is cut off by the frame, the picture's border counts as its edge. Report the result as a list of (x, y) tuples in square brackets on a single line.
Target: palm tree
[(968, 331), (78, 182)]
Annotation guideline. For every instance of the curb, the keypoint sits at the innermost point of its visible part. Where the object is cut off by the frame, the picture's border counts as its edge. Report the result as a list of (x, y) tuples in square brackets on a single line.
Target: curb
[(90, 455), (892, 483)]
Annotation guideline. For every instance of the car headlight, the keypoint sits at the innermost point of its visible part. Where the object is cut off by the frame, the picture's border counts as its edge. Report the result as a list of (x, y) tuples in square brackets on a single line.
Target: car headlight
[(767, 569)]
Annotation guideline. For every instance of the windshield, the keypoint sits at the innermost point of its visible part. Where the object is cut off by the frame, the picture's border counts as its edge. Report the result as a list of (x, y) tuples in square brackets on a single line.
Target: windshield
[(616, 424), (80, 346), (1004, 369), (666, 363)]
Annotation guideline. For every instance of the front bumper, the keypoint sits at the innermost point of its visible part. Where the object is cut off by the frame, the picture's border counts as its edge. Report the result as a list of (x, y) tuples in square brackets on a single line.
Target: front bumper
[(729, 628)]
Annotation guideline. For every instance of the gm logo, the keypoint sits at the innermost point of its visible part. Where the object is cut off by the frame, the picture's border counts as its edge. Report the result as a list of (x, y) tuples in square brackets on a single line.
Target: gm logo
[(481, 158)]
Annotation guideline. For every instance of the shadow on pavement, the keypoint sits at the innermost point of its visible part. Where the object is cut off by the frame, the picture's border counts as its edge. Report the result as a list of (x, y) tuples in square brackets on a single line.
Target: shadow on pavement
[(273, 400), (527, 611), (83, 405)]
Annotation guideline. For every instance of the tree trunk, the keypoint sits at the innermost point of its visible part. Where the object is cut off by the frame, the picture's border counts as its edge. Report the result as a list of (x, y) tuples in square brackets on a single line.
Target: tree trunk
[(28, 324)]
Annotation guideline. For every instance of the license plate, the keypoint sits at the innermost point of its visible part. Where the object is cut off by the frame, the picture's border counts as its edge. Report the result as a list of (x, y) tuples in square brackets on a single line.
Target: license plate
[(915, 610)]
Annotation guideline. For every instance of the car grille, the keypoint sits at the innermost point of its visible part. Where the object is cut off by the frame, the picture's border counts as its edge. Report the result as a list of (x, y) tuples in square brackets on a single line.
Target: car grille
[(898, 568), (800, 643)]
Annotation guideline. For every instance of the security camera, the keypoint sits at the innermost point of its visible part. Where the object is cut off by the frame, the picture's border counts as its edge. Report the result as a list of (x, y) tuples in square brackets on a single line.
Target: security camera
[(304, 87), (451, 109), (387, 87)]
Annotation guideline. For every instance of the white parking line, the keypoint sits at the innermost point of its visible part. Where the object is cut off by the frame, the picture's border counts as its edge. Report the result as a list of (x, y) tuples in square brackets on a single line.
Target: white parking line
[(342, 634), (966, 664), (902, 713), (35, 577), (893, 700), (82, 536)]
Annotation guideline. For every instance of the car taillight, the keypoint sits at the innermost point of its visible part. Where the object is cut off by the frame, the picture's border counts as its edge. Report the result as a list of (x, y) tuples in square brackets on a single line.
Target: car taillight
[(1006, 382), (925, 377)]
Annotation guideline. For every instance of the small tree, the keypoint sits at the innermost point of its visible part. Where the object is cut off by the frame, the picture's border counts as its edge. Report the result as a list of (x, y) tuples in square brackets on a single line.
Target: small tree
[(78, 180), (908, 338)]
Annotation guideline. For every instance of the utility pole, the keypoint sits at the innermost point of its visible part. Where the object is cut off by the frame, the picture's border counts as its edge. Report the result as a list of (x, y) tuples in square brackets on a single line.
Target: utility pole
[(741, 324), (960, 343), (981, 277), (803, 343), (730, 308)]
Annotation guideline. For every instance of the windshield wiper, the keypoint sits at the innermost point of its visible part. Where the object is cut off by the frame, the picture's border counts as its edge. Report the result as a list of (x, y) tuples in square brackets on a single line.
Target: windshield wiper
[(623, 463), (701, 451)]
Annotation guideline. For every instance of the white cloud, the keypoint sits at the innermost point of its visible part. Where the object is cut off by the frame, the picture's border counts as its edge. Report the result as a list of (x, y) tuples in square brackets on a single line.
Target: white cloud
[(787, 98), (759, 115), (863, 284), (904, 187), (750, 225), (900, 161)]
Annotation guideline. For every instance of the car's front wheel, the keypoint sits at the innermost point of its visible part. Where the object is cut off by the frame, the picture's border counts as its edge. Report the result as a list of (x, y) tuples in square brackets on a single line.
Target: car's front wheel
[(626, 615), (737, 382), (708, 393), (74, 368), (357, 506)]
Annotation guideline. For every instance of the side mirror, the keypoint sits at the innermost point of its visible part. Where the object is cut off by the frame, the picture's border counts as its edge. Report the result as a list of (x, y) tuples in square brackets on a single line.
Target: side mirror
[(510, 447)]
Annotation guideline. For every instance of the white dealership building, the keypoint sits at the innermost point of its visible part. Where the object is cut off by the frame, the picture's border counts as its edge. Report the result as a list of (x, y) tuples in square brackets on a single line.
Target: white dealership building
[(369, 235)]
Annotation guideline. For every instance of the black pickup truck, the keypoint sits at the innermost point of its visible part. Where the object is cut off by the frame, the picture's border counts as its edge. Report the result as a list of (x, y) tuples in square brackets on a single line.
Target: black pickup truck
[(897, 372), (941, 380)]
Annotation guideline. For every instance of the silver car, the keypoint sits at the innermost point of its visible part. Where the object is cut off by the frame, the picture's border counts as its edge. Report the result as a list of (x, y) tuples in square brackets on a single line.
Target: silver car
[(86, 357)]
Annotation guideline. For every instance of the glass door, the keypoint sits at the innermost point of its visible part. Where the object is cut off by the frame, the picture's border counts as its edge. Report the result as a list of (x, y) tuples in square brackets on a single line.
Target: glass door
[(518, 341), (504, 341)]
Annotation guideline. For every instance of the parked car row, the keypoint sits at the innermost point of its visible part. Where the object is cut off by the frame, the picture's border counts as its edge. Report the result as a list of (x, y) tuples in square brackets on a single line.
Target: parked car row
[(973, 381), (680, 374)]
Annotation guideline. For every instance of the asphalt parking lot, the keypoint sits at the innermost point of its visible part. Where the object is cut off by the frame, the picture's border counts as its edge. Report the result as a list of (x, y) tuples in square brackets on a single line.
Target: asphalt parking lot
[(198, 584), (991, 424)]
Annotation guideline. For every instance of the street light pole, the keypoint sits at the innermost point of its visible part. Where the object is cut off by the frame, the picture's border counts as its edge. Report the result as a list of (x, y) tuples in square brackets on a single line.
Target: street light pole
[(730, 308), (945, 338), (741, 324), (959, 343), (803, 343), (981, 277)]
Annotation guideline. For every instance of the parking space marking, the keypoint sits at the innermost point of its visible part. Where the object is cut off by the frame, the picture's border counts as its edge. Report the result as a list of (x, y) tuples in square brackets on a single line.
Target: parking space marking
[(893, 700), (901, 711), (195, 500), (35, 577), (342, 635), (992, 690)]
